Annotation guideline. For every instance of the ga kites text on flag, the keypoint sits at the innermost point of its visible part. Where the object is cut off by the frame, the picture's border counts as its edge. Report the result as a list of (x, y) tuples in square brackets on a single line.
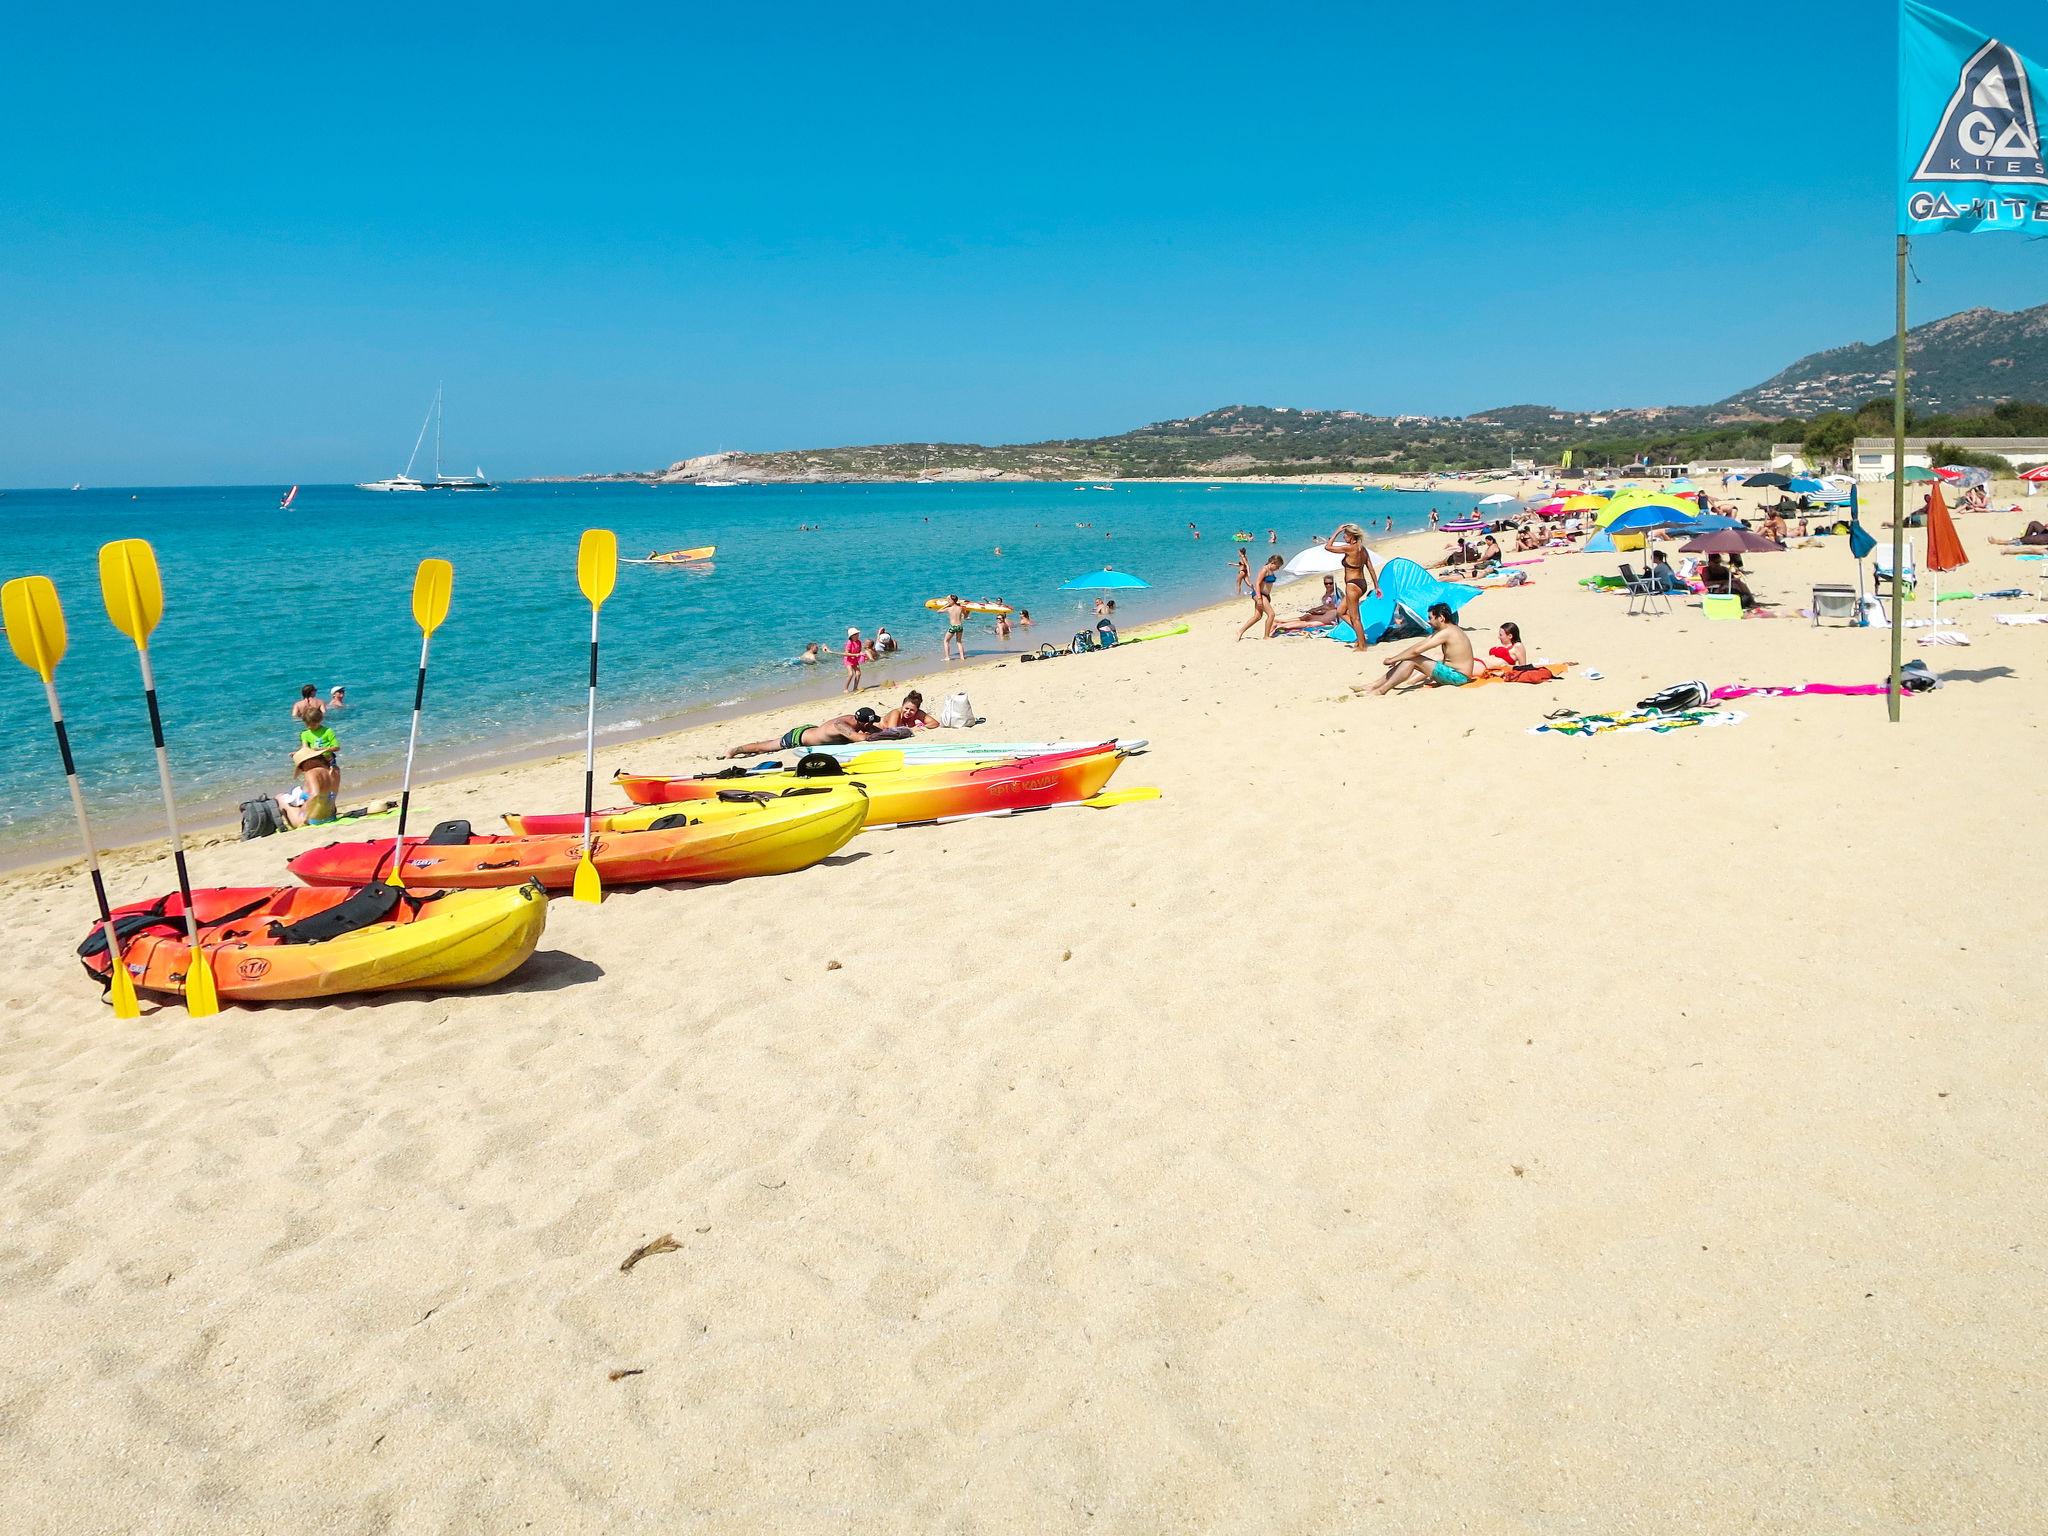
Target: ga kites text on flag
[(1970, 154)]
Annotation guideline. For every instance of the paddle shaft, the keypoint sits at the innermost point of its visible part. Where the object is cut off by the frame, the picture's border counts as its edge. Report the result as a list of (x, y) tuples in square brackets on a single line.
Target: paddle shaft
[(92, 852), (590, 738), (412, 741), (163, 775)]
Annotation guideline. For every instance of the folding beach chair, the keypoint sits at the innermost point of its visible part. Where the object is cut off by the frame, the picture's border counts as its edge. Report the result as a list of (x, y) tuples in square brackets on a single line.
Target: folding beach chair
[(1834, 600), (1881, 568), (1644, 591)]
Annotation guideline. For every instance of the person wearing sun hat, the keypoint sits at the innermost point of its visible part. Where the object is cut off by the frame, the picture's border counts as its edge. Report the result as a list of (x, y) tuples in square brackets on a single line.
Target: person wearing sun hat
[(319, 784), (854, 652)]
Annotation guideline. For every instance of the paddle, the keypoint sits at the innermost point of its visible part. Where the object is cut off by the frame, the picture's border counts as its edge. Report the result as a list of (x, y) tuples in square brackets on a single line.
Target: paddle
[(431, 586), (1101, 802), (134, 595), (597, 569), (35, 628), (881, 760)]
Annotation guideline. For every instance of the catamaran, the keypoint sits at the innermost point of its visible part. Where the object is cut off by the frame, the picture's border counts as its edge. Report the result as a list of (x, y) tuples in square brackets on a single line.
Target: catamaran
[(404, 480)]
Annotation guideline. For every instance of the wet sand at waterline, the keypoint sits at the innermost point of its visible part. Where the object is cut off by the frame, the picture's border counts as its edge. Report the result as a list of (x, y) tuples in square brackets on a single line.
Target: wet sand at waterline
[(1406, 1123)]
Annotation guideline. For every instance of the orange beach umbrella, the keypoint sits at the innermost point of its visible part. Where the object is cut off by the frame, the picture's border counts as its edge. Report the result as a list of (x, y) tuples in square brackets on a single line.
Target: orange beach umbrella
[(1944, 549)]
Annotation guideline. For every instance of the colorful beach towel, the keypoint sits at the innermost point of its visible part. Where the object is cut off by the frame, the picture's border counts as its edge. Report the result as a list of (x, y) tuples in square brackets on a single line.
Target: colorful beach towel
[(1848, 690), (1636, 720)]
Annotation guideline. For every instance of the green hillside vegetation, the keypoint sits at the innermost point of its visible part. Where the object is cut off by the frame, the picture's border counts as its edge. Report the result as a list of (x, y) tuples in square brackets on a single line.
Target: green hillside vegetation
[(1974, 375)]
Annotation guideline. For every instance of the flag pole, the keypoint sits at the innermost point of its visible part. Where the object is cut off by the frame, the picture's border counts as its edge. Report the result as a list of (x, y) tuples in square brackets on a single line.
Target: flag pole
[(1898, 490)]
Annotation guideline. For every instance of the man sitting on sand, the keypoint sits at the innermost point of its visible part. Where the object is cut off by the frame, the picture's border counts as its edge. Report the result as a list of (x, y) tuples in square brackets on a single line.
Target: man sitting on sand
[(864, 724), (1443, 660)]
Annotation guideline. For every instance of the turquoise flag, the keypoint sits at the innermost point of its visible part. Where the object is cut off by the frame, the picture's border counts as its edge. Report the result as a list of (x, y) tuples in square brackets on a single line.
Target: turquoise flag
[(1969, 136)]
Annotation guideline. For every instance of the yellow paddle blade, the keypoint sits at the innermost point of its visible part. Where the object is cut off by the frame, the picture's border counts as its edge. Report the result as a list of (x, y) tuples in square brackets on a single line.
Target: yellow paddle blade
[(881, 760), (201, 1001), (588, 887), (35, 623), (133, 589), (125, 1005), (430, 592), (597, 564), (1129, 796)]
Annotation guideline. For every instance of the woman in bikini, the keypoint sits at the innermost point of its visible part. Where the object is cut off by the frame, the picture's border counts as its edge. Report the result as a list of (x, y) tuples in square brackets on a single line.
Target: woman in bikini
[(1358, 572), (1244, 570), (1510, 652), (1262, 597)]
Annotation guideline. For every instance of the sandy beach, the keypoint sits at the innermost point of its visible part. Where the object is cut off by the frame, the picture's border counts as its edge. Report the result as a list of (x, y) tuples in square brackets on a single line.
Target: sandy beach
[(1407, 1123)]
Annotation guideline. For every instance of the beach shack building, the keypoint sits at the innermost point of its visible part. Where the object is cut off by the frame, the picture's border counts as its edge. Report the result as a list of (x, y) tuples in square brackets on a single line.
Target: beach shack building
[(1871, 457)]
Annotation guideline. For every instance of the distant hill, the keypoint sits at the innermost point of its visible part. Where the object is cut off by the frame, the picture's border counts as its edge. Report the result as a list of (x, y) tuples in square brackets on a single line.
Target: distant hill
[(1961, 366), (1964, 362)]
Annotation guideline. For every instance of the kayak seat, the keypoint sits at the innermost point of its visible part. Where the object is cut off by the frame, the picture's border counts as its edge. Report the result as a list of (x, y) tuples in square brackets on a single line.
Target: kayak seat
[(670, 822), (450, 834), (745, 796), (360, 909), (130, 924), (819, 765)]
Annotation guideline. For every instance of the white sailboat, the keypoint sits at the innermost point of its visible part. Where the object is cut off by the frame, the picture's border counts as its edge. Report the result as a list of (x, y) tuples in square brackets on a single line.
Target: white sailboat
[(404, 479)]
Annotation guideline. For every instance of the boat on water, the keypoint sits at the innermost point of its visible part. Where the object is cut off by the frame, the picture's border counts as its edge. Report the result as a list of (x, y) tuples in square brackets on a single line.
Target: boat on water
[(695, 556), (716, 485), (287, 498), (405, 480)]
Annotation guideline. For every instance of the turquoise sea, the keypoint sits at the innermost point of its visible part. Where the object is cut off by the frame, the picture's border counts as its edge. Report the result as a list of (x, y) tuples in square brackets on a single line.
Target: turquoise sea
[(258, 601)]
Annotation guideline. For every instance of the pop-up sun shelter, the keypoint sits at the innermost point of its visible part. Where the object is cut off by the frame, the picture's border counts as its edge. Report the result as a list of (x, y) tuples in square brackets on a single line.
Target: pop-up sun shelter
[(1407, 592)]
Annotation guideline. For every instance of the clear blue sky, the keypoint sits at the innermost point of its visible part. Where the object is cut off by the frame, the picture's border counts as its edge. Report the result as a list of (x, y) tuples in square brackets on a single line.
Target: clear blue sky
[(244, 244)]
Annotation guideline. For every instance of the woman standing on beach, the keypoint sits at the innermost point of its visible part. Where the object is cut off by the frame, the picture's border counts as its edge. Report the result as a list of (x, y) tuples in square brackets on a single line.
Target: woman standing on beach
[(1262, 597), (1349, 541), (1244, 570)]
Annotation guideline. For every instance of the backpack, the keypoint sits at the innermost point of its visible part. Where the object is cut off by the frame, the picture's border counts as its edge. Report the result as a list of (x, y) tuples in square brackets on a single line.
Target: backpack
[(957, 711), (1084, 640), (261, 817), (1105, 633), (1678, 697)]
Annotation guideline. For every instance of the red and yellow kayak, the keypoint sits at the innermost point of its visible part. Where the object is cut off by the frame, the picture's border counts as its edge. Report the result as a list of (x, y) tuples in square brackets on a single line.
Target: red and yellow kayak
[(718, 841), (277, 943), (913, 792)]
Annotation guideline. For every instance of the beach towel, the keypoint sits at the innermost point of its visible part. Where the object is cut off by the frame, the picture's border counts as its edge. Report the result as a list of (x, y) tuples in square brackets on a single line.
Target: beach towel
[(1636, 720), (2023, 618), (1945, 637), (1845, 690)]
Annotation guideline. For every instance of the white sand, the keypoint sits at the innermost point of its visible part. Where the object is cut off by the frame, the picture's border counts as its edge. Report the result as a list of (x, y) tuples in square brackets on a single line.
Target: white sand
[(1406, 1124)]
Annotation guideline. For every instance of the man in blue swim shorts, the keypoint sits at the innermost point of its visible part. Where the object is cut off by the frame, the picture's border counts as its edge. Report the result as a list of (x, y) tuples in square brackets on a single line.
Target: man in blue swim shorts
[(1442, 660)]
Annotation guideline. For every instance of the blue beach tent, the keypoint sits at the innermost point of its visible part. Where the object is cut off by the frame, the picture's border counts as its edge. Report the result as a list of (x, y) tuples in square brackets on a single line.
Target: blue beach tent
[(1407, 592)]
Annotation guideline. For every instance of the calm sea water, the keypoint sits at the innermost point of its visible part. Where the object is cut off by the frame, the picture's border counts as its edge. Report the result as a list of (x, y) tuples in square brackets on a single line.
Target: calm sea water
[(259, 601)]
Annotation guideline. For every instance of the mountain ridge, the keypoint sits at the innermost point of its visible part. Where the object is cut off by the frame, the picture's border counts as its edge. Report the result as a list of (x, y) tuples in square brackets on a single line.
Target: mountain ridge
[(1961, 363)]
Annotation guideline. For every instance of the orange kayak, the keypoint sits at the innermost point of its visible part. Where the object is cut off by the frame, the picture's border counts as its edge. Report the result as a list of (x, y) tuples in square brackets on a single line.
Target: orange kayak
[(914, 793), (275, 943), (722, 842)]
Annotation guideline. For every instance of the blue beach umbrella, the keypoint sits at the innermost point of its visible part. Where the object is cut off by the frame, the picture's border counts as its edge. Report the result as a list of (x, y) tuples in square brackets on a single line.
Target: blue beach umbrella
[(1804, 486), (1103, 581), (1642, 519), (1713, 522)]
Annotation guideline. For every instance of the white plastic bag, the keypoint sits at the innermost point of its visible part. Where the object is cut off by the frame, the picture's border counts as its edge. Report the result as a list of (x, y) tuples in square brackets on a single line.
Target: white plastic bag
[(957, 711)]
